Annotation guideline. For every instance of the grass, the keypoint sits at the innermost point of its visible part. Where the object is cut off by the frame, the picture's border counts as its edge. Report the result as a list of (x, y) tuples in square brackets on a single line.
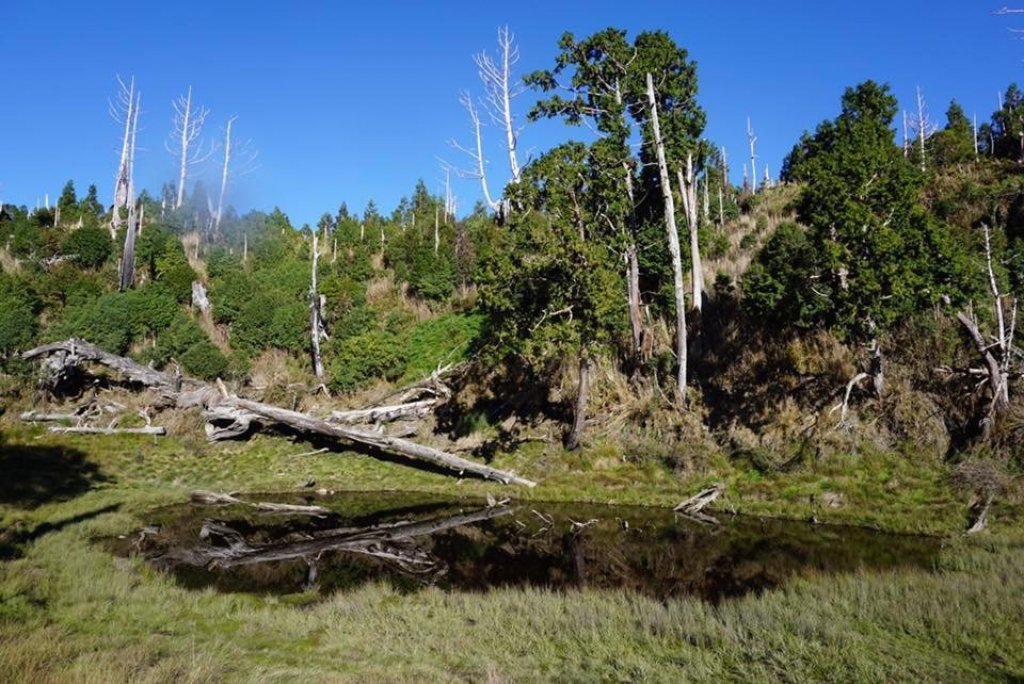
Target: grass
[(69, 611)]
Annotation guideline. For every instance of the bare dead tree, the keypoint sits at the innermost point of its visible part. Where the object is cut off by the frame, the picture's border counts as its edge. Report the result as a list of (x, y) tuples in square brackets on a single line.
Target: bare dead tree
[(976, 155), (123, 111), (673, 243), (317, 330), (923, 127), (752, 140), (127, 275), (906, 136), (997, 354), (688, 192), (185, 140), (500, 88), (238, 161), (476, 153)]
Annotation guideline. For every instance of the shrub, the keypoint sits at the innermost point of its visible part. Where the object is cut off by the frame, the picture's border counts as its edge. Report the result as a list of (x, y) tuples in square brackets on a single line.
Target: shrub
[(356, 361), (91, 246), (205, 360)]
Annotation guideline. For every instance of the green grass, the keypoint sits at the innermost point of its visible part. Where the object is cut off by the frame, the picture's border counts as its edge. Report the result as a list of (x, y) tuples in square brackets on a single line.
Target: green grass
[(69, 611)]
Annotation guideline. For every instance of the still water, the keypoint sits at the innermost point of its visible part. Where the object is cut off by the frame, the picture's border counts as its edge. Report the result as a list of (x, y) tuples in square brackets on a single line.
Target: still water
[(413, 541)]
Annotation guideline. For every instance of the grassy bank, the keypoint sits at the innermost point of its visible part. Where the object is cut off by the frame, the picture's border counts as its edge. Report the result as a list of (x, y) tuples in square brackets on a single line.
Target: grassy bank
[(69, 611)]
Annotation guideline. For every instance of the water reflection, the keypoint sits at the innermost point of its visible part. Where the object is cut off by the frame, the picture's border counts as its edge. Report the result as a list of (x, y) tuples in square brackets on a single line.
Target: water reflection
[(420, 540)]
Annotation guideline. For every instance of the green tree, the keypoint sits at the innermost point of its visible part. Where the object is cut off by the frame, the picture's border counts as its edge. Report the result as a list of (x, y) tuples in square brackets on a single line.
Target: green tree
[(874, 254), (90, 245), (954, 144), (549, 282)]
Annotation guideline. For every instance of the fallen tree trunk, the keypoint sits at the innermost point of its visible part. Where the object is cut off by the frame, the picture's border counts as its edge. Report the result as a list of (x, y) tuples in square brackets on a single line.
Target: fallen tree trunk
[(201, 496), (236, 415), (385, 414), (34, 417), (701, 500), (87, 430)]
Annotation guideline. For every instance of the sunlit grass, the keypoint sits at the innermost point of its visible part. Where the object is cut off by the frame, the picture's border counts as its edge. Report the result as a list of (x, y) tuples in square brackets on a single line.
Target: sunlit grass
[(70, 611)]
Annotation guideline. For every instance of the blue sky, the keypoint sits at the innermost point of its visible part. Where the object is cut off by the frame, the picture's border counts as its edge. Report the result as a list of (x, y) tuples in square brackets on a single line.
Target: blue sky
[(353, 101)]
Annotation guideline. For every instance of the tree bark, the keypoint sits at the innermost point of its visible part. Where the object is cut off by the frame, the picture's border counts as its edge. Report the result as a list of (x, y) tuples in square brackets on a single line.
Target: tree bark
[(572, 442), (688, 192), (673, 245), (87, 430), (316, 326)]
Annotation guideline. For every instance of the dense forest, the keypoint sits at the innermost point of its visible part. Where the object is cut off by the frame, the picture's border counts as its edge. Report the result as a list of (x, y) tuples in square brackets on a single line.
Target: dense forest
[(621, 287)]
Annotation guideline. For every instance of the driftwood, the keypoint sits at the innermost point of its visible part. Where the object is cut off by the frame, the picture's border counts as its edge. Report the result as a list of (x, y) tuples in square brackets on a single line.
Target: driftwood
[(232, 416), (201, 496), (701, 500), (89, 430)]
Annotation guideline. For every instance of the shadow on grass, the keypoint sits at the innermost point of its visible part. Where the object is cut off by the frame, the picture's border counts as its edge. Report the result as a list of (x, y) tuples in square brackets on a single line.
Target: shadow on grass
[(33, 475), (13, 539)]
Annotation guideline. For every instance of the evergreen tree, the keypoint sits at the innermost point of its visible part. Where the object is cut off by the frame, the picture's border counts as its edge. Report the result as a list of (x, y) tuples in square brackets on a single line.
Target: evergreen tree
[(871, 255)]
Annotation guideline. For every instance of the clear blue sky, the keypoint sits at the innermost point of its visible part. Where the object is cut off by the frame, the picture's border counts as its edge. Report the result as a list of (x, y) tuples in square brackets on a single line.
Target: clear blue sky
[(352, 101)]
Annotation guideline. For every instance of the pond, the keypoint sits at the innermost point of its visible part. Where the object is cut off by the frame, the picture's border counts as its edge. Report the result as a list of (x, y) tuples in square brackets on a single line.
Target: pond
[(415, 540)]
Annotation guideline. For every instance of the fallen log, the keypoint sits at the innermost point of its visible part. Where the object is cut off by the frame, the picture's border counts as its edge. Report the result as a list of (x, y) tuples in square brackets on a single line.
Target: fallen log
[(34, 417), (201, 496), (230, 416), (88, 430), (701, 500), (385, 414), (254, 411)]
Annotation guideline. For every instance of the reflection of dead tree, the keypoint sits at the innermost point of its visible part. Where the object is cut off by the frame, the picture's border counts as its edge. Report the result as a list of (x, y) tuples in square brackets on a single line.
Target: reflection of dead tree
[(230, 416), (387, 542)]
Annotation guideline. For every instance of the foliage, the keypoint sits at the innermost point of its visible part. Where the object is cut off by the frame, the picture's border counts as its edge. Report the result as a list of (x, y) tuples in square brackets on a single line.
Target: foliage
[(205, 361), (91, 246), (872, 254)]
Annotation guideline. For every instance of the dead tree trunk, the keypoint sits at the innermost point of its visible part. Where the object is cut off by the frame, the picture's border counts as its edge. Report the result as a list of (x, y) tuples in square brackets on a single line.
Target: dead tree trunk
[(123, 108), (572, 442), (634, 299), (316, 323), (922, 126), (127, 278), (224, 176), (752, 140), (688, 191), (997, 369), (673, 245), (476, 154), (185, 143), (501, 90), (232, 416)]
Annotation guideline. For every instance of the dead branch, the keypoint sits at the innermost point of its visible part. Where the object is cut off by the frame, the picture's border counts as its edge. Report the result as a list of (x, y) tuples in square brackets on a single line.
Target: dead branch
[(233, 416), (87, 430), (698, 502)]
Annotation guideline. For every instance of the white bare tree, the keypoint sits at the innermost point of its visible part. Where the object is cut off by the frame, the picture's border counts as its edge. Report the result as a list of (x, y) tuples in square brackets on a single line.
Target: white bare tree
[(185, 140), (673, 244), (317, 330), (752, 140), (688, 192), (476, 153), (239, 159), (124, 110), (500, 88), (923, 127)]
